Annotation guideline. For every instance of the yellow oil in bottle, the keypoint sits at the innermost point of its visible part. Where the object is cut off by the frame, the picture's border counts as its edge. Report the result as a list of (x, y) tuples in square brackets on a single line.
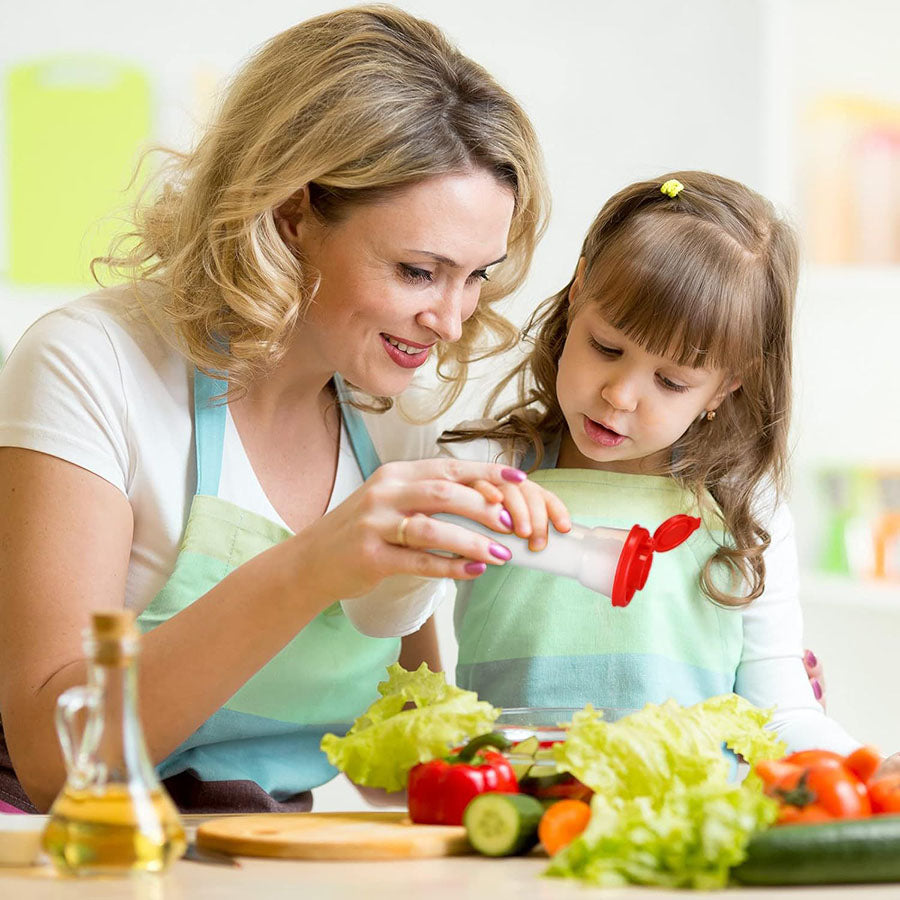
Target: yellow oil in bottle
[(93, 832)]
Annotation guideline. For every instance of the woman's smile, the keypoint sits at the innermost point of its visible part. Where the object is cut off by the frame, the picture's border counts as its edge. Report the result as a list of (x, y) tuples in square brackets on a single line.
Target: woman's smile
[(407, 354)]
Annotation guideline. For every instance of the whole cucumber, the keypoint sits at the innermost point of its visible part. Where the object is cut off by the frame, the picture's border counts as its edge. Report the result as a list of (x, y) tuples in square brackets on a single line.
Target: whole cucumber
[(848, 851)]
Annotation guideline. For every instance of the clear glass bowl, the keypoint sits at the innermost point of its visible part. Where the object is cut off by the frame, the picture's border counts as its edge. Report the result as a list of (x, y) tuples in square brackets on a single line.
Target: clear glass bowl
[(547, 723)]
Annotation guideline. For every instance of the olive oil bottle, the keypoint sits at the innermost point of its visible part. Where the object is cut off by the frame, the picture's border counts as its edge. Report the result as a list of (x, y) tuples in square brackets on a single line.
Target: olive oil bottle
[(113, 814)]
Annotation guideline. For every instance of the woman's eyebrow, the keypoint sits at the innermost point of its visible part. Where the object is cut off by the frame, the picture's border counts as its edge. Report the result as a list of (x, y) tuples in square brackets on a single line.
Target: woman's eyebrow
[(437, 257)]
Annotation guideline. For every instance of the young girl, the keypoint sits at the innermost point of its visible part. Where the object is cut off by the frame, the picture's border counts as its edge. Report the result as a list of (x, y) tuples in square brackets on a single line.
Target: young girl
[(659, 382)]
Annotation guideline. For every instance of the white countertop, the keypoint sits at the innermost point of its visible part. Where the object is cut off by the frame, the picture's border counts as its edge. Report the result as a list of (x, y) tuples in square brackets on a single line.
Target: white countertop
[(450, 878)]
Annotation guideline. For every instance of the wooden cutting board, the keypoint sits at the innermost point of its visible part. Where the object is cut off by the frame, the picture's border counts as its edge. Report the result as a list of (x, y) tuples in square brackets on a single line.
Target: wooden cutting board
[(351, 835)]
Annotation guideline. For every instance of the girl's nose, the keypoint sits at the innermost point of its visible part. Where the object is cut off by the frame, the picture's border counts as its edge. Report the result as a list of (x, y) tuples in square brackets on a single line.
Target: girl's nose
[(621, 393)]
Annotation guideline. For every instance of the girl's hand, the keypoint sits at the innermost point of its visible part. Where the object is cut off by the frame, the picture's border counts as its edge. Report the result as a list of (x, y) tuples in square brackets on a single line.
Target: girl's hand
[(816, 675), (384, 527), (531, 507)]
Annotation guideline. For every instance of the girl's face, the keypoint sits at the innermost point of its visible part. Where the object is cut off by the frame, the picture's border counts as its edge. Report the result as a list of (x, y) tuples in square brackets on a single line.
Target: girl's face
[(625, 407), (398, 276)]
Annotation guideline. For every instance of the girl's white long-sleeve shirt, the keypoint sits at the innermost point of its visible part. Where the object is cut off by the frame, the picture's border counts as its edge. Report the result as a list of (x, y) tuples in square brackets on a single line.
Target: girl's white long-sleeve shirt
[(771, 674)]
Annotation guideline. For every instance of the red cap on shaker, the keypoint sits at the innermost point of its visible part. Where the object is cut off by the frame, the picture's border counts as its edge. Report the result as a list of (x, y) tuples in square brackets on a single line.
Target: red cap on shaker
[(637, 554)]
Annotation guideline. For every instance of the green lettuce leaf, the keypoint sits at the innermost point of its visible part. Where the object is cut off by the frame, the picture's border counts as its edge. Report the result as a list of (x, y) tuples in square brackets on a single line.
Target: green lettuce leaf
[(388, 740), (664, 811)]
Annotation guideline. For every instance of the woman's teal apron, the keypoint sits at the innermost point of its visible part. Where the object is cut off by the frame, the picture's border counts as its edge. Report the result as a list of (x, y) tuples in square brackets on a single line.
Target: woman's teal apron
[(531, 639), (261, 749)]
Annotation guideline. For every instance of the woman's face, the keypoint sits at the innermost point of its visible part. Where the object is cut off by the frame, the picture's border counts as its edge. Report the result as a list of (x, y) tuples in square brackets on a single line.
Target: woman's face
[(398, 276)]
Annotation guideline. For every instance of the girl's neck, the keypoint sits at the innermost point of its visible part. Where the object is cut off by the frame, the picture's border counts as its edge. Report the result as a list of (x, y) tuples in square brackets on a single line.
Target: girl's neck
[(570, 457)]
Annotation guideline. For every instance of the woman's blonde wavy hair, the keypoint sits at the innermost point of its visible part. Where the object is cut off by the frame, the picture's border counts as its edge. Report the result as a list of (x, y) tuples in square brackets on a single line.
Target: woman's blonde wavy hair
[(357, 104), (707, 278)]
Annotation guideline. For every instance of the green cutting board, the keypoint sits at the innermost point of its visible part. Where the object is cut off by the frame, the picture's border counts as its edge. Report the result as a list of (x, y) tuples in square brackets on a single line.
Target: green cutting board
[(75, 128)]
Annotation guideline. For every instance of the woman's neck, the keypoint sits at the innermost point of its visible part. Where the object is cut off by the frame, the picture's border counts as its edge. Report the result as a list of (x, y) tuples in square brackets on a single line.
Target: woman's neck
[(292, 390)]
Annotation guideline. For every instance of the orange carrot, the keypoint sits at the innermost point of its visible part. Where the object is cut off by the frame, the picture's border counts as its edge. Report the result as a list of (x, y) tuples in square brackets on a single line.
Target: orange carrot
[(863, 762), (562, 823)]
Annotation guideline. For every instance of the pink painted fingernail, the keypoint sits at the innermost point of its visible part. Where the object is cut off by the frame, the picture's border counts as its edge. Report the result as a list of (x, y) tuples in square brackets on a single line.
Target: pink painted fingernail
[(811, 658), (505, 518), (475, 568), (516, 476), (817, 688), (500, 552)]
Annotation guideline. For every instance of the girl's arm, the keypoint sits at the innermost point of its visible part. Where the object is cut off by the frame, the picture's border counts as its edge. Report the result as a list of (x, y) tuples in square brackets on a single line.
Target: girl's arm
[(771, 672)]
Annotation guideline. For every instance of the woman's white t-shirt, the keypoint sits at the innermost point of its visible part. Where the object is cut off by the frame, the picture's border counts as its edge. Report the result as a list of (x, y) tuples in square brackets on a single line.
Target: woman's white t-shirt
[(95, 384)]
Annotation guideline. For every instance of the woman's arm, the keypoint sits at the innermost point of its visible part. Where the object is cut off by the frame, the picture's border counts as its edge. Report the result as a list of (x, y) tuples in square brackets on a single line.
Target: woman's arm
[(65, 541)]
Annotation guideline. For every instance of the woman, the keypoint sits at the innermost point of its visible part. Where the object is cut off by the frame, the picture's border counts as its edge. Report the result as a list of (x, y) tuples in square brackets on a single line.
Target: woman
[(363, 197)]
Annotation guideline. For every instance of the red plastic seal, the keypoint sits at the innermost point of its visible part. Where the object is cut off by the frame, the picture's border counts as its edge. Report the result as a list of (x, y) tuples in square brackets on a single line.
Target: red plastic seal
[(637, 554)]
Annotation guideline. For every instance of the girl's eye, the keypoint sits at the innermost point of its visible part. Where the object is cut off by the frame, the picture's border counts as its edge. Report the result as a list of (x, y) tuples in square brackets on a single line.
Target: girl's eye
[(479, 275), (606, 351), (672, 385), (414, 274)]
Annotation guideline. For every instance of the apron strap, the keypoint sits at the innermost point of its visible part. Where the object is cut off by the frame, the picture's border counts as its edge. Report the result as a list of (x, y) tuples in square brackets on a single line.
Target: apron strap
[(209, 431), (360, 442)]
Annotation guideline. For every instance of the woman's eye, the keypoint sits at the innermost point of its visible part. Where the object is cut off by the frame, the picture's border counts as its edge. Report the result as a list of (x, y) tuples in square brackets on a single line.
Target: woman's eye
[(606, 351), (413, 273), (670, 385), (479, 275)]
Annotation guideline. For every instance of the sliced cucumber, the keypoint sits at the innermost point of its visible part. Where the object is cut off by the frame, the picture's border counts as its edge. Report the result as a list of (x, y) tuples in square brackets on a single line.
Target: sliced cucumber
[(841, 852), (528, 747), (502, 824)]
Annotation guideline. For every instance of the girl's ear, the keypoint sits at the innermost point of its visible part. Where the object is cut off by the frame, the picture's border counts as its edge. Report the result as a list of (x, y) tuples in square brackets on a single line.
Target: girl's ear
[(292, 215), (577, 282), (728, 387)]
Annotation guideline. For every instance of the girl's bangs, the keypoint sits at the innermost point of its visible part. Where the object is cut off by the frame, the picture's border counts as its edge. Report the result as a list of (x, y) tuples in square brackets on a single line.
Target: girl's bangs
[(681, 292)]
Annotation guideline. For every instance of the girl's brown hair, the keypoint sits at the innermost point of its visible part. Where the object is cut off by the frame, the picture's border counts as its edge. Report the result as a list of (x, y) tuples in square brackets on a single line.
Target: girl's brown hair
[(707, 278), (356, 104)]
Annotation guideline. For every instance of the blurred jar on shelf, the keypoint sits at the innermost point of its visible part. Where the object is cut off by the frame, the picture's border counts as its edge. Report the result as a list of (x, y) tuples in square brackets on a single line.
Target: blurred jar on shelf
[(860, 533), (850, 172)]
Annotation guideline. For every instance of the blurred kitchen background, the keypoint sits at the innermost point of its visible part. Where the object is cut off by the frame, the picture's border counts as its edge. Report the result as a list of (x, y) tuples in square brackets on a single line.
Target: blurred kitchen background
[(798, 98)]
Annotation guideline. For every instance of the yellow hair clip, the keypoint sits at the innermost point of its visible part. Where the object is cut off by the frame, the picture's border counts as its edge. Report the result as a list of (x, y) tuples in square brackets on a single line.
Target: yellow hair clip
[(672, 188)]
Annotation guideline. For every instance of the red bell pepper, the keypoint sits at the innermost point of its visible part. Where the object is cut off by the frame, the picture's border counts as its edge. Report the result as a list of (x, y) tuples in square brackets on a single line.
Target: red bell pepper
[(438, 791)]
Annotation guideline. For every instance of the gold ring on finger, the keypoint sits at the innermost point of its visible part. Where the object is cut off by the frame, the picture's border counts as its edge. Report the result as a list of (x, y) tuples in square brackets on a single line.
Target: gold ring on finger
[(400, 539)]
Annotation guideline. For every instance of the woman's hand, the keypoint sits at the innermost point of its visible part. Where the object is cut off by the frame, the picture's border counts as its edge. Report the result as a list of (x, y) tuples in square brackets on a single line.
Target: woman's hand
[(385, 527)]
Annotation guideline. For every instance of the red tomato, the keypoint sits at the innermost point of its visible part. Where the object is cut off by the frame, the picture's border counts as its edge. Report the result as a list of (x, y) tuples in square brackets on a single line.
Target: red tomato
[(805, 815), (885, 794), (810, 758), (839, 792), (816, 784), (864, 762)]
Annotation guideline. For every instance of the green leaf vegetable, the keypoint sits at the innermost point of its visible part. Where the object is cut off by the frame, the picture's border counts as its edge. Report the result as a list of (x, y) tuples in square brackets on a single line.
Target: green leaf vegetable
[(664, 811), (388, 740)]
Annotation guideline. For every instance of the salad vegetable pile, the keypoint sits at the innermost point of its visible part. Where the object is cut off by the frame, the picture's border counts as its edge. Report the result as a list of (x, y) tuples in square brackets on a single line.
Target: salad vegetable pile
[(650, 799)]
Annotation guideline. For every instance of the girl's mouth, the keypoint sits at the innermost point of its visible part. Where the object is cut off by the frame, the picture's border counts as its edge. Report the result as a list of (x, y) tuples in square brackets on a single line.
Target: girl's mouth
[(602, 435), (406, 355)]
